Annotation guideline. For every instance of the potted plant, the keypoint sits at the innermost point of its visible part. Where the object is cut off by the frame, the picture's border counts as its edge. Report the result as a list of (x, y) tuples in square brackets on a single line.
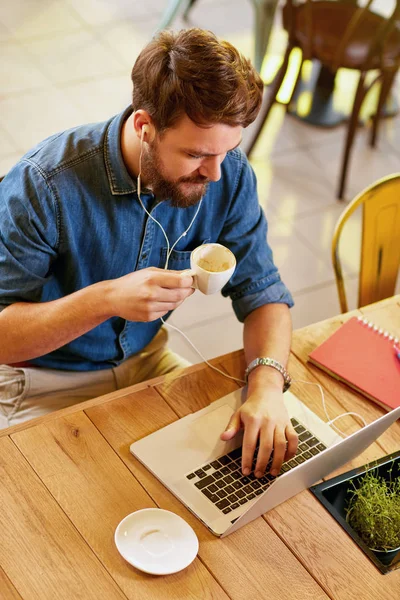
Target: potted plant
[(366, 503), (373, 511)]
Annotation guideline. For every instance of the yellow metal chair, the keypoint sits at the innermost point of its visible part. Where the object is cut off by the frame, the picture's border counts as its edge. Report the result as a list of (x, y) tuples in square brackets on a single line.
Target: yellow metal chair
[(380, 243)]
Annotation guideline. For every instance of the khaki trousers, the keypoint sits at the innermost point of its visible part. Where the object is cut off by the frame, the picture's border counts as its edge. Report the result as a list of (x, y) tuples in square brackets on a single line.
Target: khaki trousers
[(32, 392)]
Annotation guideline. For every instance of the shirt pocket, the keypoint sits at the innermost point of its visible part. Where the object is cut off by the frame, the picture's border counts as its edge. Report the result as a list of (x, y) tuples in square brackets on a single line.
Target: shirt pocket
[(179, 260)]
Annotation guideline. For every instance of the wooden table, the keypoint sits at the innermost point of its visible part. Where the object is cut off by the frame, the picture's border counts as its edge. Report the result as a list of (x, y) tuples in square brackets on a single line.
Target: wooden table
[(67, 479)]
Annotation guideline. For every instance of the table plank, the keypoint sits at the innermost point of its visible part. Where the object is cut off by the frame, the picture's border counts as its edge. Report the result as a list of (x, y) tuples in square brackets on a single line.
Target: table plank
[(386, 315), (96, 490), (37, 537), (193, 391), (246, 563), (8, 591), (100, 399)]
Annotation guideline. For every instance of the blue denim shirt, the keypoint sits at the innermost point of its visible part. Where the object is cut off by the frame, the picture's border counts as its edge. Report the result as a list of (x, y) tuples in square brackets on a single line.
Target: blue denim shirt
[(70, 217)]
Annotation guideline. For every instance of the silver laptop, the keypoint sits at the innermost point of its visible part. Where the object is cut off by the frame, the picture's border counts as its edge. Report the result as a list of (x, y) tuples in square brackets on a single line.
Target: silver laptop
[(204, 473)]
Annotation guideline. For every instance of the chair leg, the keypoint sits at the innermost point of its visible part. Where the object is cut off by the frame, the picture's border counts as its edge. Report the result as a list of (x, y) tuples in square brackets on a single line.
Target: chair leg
[(358, 100), (265, 110), (386, 86)]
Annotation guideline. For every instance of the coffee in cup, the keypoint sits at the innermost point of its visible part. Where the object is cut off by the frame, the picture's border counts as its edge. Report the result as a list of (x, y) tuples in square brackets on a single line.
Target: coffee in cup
[(213, 266)]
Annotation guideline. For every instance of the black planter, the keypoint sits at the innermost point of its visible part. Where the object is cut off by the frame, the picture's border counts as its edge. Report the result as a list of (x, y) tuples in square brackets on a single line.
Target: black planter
[(334, 495)]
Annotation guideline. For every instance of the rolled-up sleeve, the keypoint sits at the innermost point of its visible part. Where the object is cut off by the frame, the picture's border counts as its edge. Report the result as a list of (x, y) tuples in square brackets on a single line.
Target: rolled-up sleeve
[(256, 280)]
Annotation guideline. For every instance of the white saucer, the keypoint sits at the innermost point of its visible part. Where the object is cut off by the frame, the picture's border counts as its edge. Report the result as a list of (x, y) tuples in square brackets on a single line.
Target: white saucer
[(156, 541)]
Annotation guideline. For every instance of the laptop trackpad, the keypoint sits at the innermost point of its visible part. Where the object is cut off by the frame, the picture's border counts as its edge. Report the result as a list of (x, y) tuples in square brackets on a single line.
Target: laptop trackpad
[(209, 426)]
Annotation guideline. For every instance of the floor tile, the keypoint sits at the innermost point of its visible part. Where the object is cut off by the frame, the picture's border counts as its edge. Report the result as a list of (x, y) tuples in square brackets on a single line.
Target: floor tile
[(74, 56), (18, 71), (321, 303), (127, 38), (292, 184), (220, 336), (389, 134), (282, 132), (115, 94), (317, 228), (49, 112), (7, 144), (98, 12), (299, 266), (200, 308), (366, 165), (6, 34), (37, 18)]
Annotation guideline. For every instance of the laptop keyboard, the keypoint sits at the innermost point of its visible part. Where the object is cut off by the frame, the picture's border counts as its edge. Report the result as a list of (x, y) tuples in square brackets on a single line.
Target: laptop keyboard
[(224, 484)]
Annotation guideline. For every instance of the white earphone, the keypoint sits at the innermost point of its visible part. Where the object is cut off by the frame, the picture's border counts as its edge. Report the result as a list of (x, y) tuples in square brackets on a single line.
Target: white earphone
[(145, 129)]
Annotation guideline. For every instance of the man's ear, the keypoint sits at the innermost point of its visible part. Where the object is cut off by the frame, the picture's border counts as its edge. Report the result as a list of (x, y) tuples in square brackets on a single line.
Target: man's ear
[(143, 126)]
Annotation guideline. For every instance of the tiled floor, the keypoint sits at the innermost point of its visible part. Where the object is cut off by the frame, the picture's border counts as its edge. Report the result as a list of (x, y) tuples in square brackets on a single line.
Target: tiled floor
[(66, 62)]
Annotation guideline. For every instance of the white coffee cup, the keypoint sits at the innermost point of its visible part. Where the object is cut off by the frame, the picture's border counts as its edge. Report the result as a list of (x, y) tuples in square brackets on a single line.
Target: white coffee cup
[(213, 266)]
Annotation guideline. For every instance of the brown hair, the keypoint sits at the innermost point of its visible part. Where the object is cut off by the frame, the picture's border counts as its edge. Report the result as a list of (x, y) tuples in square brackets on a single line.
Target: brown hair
[(192, 72)]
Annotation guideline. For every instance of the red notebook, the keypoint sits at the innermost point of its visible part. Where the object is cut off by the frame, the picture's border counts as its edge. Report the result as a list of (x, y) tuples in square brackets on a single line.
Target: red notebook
[(362, 356)]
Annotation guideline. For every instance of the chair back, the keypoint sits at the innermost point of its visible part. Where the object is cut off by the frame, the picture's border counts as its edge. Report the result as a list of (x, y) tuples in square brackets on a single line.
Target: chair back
[(380, 243), (356, 22)]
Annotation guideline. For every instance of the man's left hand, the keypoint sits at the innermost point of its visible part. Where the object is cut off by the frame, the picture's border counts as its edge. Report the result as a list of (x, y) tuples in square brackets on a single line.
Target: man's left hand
[(264, 416)]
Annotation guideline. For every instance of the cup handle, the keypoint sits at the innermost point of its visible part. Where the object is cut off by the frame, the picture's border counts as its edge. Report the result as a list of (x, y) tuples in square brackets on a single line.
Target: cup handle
[(193, 274), (194, 286)]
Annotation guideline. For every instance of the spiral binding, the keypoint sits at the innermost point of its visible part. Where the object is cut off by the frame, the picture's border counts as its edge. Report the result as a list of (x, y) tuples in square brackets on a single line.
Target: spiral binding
[(380, 331)]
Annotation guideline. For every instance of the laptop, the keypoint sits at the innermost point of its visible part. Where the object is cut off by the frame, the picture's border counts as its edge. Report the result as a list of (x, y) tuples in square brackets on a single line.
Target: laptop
[(204, 473)]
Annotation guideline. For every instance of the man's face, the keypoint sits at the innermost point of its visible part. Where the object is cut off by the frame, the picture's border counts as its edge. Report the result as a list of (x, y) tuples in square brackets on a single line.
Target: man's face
[(179, 164)]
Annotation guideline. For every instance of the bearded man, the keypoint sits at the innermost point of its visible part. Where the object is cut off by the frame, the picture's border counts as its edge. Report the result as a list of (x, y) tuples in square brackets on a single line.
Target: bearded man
[(97, 227)]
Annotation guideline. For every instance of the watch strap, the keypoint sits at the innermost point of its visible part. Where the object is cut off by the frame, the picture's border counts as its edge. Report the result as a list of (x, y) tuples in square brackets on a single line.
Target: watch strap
[(269, 362)]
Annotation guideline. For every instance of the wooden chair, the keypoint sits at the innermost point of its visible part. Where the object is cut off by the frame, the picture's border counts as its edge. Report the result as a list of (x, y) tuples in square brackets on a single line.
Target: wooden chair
[(340, 34), (380, 244)]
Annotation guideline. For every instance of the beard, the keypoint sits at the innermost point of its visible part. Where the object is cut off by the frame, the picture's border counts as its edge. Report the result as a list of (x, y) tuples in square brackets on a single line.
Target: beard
[(182, 193)]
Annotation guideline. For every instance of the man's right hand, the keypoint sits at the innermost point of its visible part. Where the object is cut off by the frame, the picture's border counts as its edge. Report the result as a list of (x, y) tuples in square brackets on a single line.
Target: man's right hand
[(144, 295), (148, 294)]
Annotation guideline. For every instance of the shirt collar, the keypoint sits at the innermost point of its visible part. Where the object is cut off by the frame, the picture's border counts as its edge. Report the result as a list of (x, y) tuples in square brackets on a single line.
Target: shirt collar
[(119, 179)]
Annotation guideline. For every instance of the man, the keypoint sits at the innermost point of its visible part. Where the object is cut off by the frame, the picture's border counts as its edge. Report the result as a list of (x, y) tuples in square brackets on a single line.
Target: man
[(89, 265)]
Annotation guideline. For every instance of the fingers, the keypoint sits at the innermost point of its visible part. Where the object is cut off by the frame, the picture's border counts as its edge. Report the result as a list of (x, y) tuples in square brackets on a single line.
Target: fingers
[(232, 427), (173, 280), (279, 451), (264, 450), (169, 287), (292, 440), (250, 437), (276, 441)]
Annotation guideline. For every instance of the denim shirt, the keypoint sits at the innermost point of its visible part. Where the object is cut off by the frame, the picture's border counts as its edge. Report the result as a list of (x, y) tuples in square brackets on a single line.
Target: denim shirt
[(70, 217)]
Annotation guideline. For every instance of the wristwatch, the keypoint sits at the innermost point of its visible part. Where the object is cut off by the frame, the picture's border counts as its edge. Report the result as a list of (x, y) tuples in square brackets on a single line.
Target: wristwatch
[(269, 362)]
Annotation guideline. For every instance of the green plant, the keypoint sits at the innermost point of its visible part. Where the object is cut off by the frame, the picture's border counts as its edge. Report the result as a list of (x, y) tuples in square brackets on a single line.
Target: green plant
[(374, 510)]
